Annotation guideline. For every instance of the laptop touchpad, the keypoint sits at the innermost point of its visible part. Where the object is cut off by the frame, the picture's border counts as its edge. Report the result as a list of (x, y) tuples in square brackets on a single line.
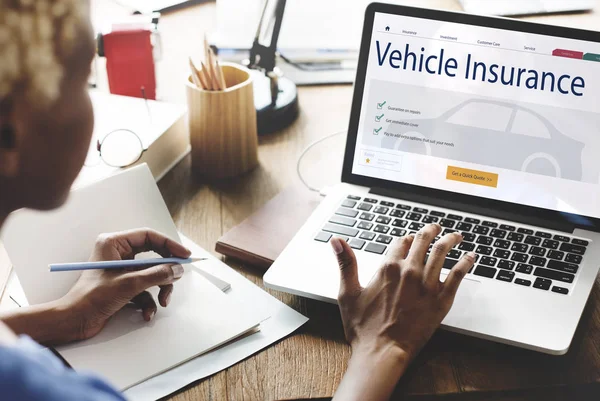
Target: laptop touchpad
[(463, 306)]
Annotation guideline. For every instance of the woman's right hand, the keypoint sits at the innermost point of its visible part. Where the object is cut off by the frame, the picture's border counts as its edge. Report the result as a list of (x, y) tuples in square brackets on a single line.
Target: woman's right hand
[(388, 322)]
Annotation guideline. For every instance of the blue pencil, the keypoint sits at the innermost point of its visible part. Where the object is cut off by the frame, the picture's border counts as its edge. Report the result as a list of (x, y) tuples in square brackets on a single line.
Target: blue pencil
[(120, 264)]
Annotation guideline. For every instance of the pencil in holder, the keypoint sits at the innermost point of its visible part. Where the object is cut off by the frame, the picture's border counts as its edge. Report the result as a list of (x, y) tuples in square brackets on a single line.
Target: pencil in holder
[(222, 124)]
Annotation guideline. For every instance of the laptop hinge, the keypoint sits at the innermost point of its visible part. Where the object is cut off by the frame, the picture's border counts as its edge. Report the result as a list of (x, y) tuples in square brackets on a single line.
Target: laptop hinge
[(469, 208)]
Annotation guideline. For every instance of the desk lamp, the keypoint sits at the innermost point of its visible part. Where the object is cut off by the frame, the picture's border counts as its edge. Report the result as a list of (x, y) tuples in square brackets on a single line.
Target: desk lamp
[(275, 96)]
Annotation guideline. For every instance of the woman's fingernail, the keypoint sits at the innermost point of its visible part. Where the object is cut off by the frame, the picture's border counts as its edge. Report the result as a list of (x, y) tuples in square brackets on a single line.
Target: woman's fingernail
[(152, 315), (471, 255), (337, 246), (177, 271), (168, 298)]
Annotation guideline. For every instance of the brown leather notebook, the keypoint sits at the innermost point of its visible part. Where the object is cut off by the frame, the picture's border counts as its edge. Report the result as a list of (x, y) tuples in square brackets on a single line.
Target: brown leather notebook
[(260, 238)]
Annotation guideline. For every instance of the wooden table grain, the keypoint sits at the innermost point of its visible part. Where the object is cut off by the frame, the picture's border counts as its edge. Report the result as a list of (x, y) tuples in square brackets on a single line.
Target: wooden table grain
[(310, 363)]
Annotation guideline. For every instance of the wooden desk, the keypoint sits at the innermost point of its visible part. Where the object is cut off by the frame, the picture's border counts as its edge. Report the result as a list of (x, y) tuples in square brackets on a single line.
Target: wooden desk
[(309, 364)]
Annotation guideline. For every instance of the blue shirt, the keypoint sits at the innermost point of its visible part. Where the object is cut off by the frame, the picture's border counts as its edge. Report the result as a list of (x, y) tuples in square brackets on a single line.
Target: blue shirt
[(29, 372)]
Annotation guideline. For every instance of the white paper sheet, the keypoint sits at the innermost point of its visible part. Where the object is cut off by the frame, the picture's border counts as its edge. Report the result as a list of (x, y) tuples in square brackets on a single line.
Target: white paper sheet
[(284, 321)]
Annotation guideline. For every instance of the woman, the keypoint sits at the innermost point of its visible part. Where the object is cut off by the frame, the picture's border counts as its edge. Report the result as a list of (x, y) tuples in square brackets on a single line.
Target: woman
[(46, 120)]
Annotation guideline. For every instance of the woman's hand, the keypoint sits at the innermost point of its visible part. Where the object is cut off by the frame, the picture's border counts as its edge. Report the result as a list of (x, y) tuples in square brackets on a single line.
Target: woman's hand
[(99, 294), (388, 322)]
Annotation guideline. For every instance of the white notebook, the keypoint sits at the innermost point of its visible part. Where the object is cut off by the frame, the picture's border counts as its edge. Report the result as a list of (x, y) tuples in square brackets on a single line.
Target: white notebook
[(128, 351)]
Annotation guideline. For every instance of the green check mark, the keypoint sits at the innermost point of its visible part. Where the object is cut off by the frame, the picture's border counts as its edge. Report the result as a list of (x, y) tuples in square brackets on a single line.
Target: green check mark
[(378, 118), (380, 105), (376, 131)]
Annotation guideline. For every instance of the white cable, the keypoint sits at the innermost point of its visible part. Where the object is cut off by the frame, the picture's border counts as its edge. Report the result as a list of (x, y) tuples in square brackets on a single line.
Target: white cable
[(305, 151)]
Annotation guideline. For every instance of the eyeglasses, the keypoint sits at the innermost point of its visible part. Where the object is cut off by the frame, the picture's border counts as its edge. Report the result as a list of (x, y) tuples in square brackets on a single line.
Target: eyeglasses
[(119, 148)]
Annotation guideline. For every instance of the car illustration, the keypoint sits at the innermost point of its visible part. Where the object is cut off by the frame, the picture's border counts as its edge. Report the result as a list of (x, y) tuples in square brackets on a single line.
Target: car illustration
[(491, 133)]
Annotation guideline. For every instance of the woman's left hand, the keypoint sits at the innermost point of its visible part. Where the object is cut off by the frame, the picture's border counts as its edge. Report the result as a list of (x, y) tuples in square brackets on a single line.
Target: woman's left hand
[(99, 294)]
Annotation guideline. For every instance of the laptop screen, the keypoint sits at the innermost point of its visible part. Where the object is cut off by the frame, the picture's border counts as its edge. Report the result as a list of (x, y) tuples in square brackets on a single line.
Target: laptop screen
[(493, 113)]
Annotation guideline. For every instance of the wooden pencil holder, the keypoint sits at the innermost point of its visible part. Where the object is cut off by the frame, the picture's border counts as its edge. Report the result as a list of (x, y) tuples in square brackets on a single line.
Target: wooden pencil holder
[(222, 124)]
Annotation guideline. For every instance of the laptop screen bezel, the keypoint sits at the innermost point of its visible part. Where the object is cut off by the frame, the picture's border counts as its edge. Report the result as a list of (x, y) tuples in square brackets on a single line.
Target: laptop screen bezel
[(569, 219)]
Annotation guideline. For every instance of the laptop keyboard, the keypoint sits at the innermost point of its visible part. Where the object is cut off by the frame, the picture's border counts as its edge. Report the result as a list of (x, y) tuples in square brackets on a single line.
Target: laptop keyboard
[(505, 252)]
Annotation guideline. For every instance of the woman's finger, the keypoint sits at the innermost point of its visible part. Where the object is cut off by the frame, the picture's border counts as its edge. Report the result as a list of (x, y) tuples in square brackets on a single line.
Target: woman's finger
[(141, 280), (421, 243), (437, 256), (457, 273), (399, 248), (349, 284), (145, 302), (145, 239), (164, 295)]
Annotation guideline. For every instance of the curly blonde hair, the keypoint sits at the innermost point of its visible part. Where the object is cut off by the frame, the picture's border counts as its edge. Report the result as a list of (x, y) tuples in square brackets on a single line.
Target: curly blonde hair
[(36, 37)]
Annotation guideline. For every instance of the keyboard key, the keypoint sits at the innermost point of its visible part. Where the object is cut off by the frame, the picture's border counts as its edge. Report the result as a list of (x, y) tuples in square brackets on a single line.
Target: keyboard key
[(454, 254), (472, 220), (506, 264), (515, 237), (481, 230), (384, 239), (537, 251), (365, 225), (381, 210), (489, 224), (386, 203), (454, 217), (466, 246), (507, 227), (501, 253), (563, 267), (576, 249), (430, 219), (449, 263), (557, 255), (524, 268), (399, 223), (414, 216), (464, 226), (416, 226), (380, 228), (342, 211), (349, 203), (500, 243), (356, 243), (367, 235), (342, 237), (554, 275), (488, 261), (345, 221), (448, 231), (371, 200), (323, 237), (519, 248), (485, 271), (498, 233), (365, 206), (573, 258), (549, 243), (519, 257), (447, 223), (403, 207), (437, 214), (505, 275), (383, 220), (468, 237), (420, 210), (483, 250), (521, 281), (353, 197), (375, 248), (398, 232), (397, 213), (524, 231), (537, 261), (580, 242), (367, 216), (336, 229), (542, 284), (561, 238), (560, 290), (531, 240), (543, 234), (482, 239)]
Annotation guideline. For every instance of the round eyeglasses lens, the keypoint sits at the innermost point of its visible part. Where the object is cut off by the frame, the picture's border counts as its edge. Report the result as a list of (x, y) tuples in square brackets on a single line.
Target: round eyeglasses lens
[(121, 148)]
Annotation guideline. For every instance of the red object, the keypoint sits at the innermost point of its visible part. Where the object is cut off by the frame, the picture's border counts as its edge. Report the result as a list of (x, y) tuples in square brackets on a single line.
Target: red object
[(130, 63), (567, 53)]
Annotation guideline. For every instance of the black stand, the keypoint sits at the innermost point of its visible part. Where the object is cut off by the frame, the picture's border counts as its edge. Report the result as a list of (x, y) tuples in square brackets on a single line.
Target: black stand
[(275, 97)]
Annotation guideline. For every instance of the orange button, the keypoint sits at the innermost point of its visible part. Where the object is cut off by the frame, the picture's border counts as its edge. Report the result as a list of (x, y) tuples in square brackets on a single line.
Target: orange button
[(472, 176)]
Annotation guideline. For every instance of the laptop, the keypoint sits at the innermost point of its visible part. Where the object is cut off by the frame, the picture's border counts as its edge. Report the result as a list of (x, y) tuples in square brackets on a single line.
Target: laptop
[(488, 127), (525, 7)]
